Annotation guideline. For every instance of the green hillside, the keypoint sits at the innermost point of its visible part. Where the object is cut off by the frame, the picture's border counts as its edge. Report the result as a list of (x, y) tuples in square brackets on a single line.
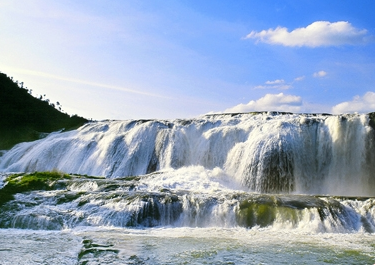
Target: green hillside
[(23, 117)]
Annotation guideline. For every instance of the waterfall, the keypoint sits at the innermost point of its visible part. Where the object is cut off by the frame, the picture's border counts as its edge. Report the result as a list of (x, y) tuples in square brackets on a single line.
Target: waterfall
[(264, 152), (138, 202)]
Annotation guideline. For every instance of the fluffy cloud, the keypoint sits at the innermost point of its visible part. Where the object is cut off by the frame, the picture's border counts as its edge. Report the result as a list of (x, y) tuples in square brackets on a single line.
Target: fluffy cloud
[(320, 74), (319, 33), (358, 104), (270, 102)]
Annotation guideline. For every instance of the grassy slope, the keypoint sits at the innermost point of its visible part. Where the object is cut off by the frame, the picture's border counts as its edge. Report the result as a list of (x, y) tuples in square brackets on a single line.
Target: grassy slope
[(23, 117)]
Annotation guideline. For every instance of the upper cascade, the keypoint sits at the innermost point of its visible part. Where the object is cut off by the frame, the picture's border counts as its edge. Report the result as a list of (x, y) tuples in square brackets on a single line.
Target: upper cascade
[(266, 152)]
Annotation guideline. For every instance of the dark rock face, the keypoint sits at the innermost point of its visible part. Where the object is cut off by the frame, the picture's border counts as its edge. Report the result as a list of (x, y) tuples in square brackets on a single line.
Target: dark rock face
[(371, 116)]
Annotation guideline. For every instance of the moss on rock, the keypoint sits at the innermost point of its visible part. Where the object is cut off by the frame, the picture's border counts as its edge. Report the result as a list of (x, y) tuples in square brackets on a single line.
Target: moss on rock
[(17, 183)]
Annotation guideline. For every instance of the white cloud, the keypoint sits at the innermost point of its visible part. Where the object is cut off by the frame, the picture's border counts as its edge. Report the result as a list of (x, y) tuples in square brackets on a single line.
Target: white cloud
[(320, 74), (270, 102), (319, 33), (300, 78), (278, 84), (358, 104), (278, 87), (278, 81)]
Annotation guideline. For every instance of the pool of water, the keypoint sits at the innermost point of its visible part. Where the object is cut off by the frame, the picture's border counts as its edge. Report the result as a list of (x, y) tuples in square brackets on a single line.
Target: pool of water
[(215, 245)]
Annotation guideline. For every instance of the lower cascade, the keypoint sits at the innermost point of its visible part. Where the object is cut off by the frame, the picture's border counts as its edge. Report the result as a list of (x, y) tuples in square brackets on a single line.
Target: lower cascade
[(145, 202), (304, 172)]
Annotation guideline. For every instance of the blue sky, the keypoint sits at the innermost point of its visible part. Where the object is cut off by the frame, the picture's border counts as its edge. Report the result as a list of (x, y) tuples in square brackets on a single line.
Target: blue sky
[(180, 59)]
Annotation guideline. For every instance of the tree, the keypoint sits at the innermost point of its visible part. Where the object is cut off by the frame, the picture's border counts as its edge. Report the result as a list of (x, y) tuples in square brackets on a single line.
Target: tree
[(23, 116)]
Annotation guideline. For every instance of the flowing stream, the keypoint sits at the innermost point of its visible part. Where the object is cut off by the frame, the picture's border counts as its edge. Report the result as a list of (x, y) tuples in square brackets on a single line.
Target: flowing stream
[(256, 188)]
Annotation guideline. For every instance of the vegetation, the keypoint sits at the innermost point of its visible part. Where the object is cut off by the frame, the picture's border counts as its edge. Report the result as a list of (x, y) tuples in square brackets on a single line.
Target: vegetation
[(18, 183), (24, 117), (254, 213)]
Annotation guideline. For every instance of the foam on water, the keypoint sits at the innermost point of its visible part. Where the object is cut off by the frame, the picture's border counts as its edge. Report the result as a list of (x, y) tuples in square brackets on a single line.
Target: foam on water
[(191, 178), (183, 246), (26, 247)]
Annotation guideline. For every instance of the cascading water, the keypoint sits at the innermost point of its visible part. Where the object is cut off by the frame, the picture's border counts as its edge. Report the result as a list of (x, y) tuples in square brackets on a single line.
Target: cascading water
[(145, 201), (255, 188), (265, 152)]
